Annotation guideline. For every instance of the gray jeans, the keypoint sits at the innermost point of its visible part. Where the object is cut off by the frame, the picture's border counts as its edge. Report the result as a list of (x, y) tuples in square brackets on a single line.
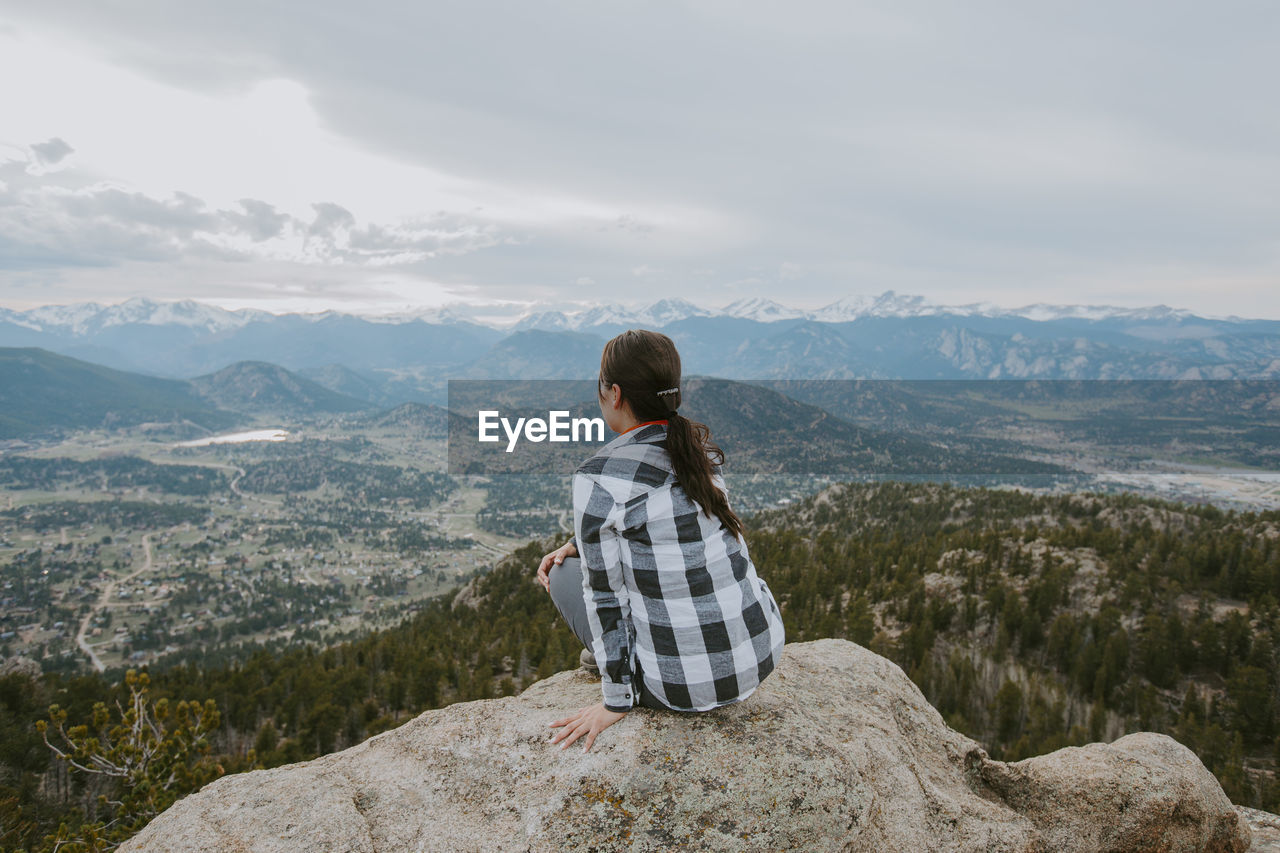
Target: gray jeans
[(566, 592)]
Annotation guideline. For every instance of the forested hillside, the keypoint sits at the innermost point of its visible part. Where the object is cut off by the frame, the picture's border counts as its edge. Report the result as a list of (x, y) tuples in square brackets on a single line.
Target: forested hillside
[(1037, 622), (1031, 622)]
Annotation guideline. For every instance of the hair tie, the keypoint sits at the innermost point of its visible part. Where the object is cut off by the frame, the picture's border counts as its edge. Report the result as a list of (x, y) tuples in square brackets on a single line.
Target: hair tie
[(671, 410), (675, 390)]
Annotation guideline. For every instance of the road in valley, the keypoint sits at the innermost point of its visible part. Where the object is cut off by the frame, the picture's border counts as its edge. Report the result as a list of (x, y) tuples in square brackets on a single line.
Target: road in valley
[(104, 601)]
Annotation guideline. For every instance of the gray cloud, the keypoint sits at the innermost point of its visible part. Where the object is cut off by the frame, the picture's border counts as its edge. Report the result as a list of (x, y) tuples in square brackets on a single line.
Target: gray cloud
[(51, 220), (182, 215), (52, 151), (261, 221), (329, 218), (978, 150)]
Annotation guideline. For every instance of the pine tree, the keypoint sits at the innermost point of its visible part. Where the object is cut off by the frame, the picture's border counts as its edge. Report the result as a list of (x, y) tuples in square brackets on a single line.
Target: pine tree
[(148, 753)]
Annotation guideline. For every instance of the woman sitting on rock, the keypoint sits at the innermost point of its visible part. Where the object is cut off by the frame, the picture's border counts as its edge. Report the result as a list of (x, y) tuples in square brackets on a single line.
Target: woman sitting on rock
[(664, 596)]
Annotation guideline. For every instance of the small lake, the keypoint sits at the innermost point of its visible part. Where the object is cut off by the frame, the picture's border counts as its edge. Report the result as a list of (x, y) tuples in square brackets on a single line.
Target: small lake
[(238, 437)]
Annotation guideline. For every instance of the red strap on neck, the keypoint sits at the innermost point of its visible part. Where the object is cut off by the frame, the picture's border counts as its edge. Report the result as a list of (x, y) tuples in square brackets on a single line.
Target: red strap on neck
[(646, 423)]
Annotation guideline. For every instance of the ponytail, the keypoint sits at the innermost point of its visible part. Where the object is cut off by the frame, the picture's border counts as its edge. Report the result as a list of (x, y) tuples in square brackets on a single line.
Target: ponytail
[(647, 367), (692, 456)]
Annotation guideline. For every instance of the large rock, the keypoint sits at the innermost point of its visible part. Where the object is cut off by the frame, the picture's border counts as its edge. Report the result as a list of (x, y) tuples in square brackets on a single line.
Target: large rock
[(837, 750)]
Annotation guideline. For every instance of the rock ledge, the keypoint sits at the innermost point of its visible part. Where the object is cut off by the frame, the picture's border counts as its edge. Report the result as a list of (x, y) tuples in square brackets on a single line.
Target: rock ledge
[(837, 750)]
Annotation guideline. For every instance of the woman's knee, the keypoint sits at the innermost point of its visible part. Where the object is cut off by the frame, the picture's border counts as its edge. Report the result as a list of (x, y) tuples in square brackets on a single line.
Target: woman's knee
[(564, 574)]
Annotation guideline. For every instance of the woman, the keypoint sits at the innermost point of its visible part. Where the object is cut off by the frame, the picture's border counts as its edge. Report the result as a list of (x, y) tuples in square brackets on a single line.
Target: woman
[(664, 595)]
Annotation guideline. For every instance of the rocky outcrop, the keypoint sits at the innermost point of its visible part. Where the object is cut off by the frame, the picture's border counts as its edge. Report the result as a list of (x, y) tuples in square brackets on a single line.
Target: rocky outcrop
[(1265, 828), (19, 665), (837, 750)]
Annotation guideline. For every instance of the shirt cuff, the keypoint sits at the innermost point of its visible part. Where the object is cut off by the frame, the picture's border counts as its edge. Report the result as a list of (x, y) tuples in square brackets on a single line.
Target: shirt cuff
[(617, 697)]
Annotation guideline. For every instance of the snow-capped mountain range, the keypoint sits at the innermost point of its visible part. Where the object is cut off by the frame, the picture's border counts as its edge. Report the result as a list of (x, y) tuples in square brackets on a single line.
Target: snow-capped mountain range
[(408, 356), (87, 318)]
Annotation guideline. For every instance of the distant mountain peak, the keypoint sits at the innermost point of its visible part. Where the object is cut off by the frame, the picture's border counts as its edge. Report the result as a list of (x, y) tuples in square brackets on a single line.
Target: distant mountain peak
[(184, 312), (1044, 312), (666, 311), (88, 317), (887, 304), (760, 309), (660, 313), (550, 321), (73, 318)]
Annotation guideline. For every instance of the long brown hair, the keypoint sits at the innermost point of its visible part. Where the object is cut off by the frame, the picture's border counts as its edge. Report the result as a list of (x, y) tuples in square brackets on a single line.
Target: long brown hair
[(646, 366)]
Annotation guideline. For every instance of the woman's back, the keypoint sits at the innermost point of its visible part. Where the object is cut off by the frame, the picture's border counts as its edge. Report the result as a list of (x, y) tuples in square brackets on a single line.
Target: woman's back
[(675, 595), (671, 609)]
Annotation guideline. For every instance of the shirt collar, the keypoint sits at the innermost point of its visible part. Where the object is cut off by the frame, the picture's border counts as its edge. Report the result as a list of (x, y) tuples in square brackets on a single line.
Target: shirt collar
[(632, 435)]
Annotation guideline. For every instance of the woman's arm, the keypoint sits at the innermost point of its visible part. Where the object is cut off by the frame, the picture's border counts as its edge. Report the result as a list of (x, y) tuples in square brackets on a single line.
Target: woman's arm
[(596, 516)]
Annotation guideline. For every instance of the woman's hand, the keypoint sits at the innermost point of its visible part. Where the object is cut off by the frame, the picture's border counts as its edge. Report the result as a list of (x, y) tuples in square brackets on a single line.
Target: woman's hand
[(589, 721), (556, 557)]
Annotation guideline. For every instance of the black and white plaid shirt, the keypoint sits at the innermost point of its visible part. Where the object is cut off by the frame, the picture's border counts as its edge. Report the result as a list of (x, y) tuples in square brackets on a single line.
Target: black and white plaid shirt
[(670, 592)]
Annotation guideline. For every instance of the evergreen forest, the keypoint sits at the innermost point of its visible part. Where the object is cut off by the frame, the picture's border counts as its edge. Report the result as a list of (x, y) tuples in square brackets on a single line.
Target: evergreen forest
[(1030, 621)]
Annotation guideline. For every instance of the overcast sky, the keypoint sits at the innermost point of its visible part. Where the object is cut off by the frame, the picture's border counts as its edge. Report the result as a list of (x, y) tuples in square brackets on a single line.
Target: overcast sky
[(370, 157)]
